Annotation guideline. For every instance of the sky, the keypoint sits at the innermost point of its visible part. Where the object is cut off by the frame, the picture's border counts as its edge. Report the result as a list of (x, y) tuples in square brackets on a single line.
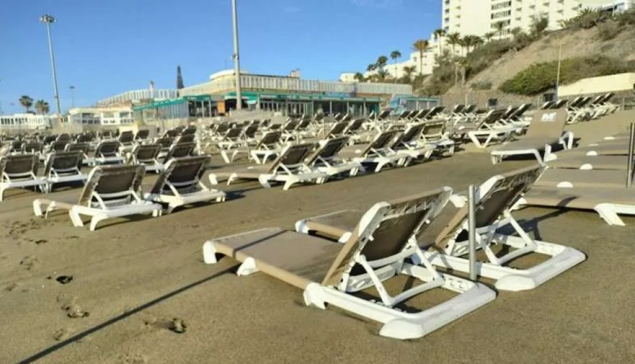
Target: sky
[(106, 47)]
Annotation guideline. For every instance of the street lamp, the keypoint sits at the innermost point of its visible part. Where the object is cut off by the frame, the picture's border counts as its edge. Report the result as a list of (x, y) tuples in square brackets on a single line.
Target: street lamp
[(239, 98), (0, 104), (72, 96), (48, 20)]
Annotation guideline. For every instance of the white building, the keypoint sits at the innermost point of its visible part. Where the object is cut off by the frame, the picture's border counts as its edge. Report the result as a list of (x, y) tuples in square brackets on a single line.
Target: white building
[(121, 115), (25, 121), (137, 96), (478, 17)]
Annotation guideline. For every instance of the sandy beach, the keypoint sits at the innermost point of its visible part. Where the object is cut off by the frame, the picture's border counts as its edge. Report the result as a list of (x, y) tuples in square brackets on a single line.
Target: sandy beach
[(137, 291)]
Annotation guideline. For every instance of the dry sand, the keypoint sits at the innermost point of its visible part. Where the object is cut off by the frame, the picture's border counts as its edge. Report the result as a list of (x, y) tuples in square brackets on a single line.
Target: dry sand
[(140, 292)]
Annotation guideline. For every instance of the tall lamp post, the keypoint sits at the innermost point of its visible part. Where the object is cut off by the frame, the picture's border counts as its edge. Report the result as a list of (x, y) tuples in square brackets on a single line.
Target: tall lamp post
[(48, 20), (239, 98), (0, 103), (72, 96)]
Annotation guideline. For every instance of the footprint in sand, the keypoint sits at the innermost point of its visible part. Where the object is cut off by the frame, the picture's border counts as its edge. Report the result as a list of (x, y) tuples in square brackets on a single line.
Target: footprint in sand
[(175, 325), (73, 310), (11, 287), (132, 359), (29, 262), (62, 334)]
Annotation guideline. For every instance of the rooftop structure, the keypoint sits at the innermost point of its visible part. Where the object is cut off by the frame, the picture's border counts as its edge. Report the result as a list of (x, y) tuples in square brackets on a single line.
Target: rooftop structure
[(25, 121)]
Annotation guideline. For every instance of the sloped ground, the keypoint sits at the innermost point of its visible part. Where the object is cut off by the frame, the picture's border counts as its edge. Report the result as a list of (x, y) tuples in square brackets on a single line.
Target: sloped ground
[(579, 43)]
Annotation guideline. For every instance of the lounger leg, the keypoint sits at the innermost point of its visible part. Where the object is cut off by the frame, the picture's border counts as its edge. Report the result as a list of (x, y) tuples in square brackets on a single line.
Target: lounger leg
[(209, 253), (37, 208), (75, 218), (314, 296), (264, 181), (212, 179), (2, 193), (223, 154), (248, 267), (95, 220), (608, 213)]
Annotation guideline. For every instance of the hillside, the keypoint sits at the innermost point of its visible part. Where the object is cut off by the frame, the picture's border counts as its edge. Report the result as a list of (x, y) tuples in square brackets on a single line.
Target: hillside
[(600, 49)]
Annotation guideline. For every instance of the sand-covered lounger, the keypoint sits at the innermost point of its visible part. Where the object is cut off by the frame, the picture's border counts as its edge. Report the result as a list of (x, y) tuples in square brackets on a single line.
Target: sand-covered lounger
[(378, 249), (289, 167), (109, 192), (19, 171), (495, 199), (325, 158), (618, 162), (570, 178), (148, 156), (63, 167), (180, 184), (609, 203), (545, 130)]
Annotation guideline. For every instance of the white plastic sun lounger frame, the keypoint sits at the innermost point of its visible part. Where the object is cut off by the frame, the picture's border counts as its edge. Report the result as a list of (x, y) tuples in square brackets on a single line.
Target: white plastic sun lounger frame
[(397, 324), (507, 278), (21, 180), (492, 134), (290, 175), (333, 165), (177, 199), (566, 140), (101, 209)]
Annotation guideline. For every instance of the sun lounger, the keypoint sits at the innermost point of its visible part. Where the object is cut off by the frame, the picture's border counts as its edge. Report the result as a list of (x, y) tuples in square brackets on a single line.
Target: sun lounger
[(609, 203), (495, 198), (546, 129), (147, 155), (264, 149), (570, 178), (19, 171), (180, 184), (376, 152), (180, 150), (488, 128), (325, 158), (110, 192), (289, 167), (594, 150), (378, 249), (409, 143), (63, 167), (106, 152)]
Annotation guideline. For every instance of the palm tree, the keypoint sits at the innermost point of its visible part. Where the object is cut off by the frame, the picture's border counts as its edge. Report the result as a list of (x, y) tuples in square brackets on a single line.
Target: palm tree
[(42, 107), (381, 74), (421, 45), (516, 32), (381, 62), (453, 40), (499, 26), (470, 41), (395, 55), (371, 67), (409, 71), (489, 35), (438, 34), (359, 77), (26, 102)]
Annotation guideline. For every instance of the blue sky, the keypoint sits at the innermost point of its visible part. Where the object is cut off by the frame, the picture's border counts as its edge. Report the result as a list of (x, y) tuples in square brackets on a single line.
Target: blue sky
[(105, 47)]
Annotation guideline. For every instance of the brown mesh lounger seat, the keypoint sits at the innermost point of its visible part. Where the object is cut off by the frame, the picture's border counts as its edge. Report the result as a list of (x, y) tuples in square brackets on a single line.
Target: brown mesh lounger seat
[(377, 250), (601, 149), (608, 203), (109, 192), (616, 162), (567, 178), (19, 171), (545, 130), (289, 167)]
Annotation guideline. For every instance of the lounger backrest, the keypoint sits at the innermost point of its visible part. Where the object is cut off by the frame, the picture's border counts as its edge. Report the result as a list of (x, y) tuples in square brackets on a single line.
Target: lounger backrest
[(576, 101), (250, 131), (18, 165), (435, 111), (328, 150), (290, 125), (59, 145), (384, 114), (182, 172), (142, 134), (559, 104), (165, 142), (597, 100), (269, 139), (412, 133), (337, 129), (433, 130), (114, 182), (385, 230), (107, 148), (547, 123), (84, 138), (521, 110), (49, 139), (546, 105), (221, 128), (181, 150), (190, 130), (382, 140), (77, 147), (185, 138), (608, 97), (492, 116), (233, 133), (354, 126), (457, 108), (509, 112), (126, 137), (32, 147), (62, 162), (64, 137), (494, 197), (147, 152), (291, 156), (469, 109)]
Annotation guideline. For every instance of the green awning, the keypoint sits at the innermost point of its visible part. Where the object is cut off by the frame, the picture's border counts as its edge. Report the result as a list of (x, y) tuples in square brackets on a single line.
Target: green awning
[(159, 104)]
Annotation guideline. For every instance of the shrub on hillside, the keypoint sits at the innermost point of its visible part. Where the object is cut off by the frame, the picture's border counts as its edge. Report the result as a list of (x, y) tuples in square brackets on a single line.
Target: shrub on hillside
[(483, 85), (541, 77), (609, 30)]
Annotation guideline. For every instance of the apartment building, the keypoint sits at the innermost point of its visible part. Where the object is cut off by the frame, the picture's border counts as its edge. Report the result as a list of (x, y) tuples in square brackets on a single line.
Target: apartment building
[(479, 17)]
